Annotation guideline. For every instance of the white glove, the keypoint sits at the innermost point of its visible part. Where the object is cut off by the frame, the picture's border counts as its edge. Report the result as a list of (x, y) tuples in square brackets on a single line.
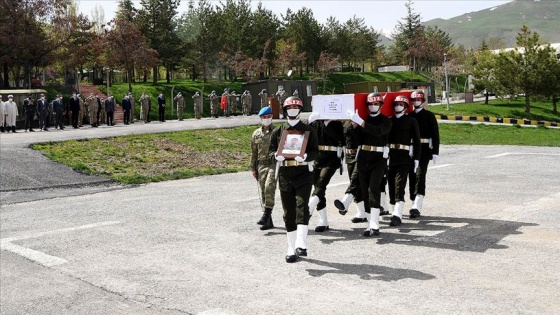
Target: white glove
[(355, 117), (416, 163), (279, 158), (301, 159), (313, 117), (435, 158)]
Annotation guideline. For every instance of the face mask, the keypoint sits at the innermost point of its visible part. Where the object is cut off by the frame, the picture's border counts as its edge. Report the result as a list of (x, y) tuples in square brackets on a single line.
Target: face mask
[(266, 121), (373, 108), (417, 103), (399, 109), (293, 112)]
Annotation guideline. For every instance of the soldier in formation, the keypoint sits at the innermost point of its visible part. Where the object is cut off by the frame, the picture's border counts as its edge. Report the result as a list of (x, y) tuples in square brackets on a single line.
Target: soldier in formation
[(295, 179), (262, 166), (197, 104), (246, 101), (214, 104), (330, 137), (180, 105), (429, 140), (233, 103), (281, 95), (145, 104), (404, 145), (264, 98), (92, 108), (132, 105)]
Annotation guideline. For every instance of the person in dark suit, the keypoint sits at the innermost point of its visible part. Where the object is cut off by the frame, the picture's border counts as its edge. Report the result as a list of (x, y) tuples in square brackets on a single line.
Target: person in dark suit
[(43, 112), (58, 109), (110, 110), (161, 106), (126, 106), (75, 109)]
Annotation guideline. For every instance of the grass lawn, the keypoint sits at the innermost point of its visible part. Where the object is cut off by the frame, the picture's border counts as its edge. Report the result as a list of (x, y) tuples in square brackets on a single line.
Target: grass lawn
[(146, 158), (500, 108)]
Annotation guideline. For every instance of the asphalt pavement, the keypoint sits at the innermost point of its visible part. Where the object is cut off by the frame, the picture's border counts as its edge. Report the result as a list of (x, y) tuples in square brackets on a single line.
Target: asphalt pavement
[(486, 243)]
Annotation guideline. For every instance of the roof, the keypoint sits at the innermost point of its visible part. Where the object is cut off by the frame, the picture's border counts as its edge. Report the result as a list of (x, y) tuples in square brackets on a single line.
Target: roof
[(22, 91)]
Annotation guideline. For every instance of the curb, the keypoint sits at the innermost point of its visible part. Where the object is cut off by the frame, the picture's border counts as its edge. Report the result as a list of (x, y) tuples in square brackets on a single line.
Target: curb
[(513, 121)]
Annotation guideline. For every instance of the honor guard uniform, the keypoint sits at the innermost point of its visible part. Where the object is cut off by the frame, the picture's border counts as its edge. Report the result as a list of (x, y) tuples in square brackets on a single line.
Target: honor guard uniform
[(372, 135), (262, 166), (180, 105), (353, 191), (330, 137), (295, 179), (429, 139), (404, 145)]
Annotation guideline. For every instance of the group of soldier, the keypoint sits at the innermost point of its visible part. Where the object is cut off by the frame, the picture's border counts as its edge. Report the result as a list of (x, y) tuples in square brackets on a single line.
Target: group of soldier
[(378, 150)]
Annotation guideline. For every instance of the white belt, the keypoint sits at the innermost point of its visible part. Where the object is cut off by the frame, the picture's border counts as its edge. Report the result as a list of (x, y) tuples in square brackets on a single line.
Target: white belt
[(371, 148), (399, 146), (328, 148), (293, 163), (425, 140)]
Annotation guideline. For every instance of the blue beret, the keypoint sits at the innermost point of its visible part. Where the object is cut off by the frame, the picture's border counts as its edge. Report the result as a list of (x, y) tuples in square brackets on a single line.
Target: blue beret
[(265, 111)]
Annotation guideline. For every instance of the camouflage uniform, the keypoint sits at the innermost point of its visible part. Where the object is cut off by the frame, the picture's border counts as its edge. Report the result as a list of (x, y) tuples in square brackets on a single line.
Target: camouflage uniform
[(214, 104), (233, 102), (263, 167), (132, 104), (264, 98), (145, 103), (82, 111), (197, 105), (180, 105), (246, 101), (91, 103)]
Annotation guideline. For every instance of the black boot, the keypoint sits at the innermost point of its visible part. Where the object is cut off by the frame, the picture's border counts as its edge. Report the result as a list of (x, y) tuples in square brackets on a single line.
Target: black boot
[(264, 217), (13, 128), (267, 216), (1, 128)]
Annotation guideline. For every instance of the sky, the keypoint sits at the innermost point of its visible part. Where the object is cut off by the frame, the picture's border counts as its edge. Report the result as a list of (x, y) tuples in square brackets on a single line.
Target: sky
[(382, 15)]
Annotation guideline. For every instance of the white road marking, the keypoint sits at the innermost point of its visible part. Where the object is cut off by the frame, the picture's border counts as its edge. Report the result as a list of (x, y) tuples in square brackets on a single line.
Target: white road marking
[(40, 257), (439, 166), (520, 153)]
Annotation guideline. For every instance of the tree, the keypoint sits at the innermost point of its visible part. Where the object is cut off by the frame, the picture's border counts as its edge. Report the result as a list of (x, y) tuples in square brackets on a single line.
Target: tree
[(550, 83), (520, 70), (303, 29), (483, 72), (326, 65), (157, 24), (406, 35), (31, 31), (125, 46)]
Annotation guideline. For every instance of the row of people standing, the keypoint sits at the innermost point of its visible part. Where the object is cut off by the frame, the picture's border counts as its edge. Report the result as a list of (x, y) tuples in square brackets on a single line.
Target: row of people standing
[(379, 150)]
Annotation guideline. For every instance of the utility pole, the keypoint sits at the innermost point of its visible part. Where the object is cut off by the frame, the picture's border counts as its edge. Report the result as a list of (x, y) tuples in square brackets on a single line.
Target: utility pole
[(446, 80)]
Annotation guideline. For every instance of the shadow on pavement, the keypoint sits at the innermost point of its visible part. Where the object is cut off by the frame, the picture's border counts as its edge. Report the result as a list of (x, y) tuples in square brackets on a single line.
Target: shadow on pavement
[(461, 234), (366, 272)]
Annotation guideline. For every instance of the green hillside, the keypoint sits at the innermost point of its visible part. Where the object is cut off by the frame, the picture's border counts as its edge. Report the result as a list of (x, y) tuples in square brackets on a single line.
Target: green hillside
[(504, 22)]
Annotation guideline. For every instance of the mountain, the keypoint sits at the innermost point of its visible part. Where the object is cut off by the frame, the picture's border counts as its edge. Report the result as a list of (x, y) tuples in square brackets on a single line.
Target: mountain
[(504, 22)]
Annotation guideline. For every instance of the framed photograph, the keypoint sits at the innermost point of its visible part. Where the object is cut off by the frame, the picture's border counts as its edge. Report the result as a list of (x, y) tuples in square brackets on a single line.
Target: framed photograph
[(293, 143)]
